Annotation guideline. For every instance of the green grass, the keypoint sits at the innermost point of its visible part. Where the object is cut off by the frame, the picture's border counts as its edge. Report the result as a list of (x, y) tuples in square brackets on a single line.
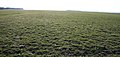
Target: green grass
[(59, 33)]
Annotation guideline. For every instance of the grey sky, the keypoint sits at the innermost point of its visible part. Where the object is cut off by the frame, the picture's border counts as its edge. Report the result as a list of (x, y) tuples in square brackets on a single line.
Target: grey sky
[(82, 5)]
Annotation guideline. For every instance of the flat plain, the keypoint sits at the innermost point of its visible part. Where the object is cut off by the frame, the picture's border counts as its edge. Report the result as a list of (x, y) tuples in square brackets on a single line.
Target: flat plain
[(59, 34)]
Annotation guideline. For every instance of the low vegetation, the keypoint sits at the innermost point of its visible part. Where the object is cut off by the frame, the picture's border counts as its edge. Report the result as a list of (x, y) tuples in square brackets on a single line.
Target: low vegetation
[(59, 33)]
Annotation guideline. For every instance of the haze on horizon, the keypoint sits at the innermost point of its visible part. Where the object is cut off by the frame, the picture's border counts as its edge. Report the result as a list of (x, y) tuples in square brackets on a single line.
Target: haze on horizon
[(79, 5)]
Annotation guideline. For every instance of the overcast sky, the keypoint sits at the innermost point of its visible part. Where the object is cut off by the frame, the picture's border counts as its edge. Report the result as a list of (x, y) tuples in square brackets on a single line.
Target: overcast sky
[(82, 5)]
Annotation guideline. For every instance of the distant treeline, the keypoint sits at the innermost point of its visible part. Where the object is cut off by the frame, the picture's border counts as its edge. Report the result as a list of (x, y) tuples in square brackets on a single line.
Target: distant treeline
[(3, 8)]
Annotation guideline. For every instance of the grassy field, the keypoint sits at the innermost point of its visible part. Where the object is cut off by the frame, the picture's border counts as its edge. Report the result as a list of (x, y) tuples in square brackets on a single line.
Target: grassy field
[(59, 33)]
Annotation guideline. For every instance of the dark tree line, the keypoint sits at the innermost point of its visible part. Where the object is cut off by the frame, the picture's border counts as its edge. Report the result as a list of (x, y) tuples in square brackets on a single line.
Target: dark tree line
[(3, 8)]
